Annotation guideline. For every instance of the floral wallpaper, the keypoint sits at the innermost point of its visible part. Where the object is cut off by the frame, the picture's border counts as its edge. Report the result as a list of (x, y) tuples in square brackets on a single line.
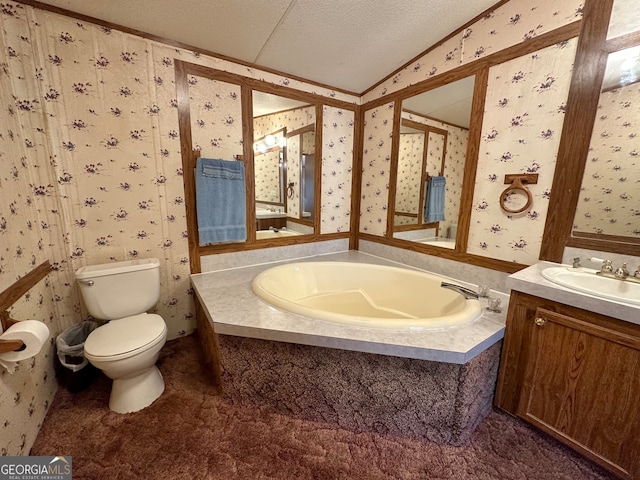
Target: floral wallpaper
[(545, 76), (91, 172), (216, 117), (523, 117), (456, 152), (610, 195), (376, 163), (337, 166), (30, 233), (268, 177), (514, 22), (267, 171), (409, 177), (289, 119)]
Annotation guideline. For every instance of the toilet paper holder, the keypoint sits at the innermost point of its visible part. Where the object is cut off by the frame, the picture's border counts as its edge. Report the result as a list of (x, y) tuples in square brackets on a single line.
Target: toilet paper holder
[(9, 345), (13, 294)]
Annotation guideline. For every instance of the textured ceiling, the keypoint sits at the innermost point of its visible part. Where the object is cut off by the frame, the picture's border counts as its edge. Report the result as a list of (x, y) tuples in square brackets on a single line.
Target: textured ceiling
[(346, 44)]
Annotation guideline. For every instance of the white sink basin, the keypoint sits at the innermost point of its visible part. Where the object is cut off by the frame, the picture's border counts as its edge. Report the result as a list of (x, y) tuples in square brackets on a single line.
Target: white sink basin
[(587, 282)]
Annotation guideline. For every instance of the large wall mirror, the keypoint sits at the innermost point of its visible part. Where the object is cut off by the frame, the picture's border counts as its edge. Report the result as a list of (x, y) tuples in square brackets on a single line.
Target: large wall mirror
[(597, 176), (432, 148), (609, 203), (284, 151)]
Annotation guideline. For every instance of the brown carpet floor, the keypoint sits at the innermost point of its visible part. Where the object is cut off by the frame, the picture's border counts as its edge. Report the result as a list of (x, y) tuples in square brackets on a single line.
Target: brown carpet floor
[(192, 433)]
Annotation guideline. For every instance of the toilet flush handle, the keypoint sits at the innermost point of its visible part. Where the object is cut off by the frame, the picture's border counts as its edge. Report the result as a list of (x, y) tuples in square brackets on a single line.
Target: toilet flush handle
[(86, 282)]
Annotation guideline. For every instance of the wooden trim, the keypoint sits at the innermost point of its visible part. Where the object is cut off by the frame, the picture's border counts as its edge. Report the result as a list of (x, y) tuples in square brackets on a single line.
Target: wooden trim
[(216, 249), (283, 111), (471, 162), (188, 163), (605, 245), (262, 86), (450, 254), (423, 178), (415, 226), (174, 43), (459, 30), (434, 119), (308, 128), (317, 173), (282, 131), (282, 172), (610, 238), (622, 42), (13, 293), (529, 46), (246, 95), (356, 178), (212, 360), (183, 70), (393, 168), (582, 105)]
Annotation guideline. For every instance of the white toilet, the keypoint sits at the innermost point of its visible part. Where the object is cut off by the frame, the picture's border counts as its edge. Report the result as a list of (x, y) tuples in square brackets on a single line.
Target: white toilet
[(127, 347)]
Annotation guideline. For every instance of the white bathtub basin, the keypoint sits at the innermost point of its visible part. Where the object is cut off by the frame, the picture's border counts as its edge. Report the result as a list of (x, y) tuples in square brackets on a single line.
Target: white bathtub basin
[(365, 294)]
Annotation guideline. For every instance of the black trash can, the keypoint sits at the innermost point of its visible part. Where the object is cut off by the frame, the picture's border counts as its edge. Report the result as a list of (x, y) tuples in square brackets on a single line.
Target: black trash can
[(74, 372)]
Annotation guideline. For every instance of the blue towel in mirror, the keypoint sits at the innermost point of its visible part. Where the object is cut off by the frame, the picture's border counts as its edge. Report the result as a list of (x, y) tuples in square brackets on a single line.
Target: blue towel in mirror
[(434, 199), (221, 201)]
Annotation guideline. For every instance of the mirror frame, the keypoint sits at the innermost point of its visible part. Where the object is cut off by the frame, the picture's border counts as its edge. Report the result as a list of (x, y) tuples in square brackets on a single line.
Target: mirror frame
[(582, 105), (185, 69), (480, 69), (466, 201), (426, 129)]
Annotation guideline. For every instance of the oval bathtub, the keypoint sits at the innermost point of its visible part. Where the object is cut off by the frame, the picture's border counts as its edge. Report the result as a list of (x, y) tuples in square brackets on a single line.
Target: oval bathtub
[(365, 294)]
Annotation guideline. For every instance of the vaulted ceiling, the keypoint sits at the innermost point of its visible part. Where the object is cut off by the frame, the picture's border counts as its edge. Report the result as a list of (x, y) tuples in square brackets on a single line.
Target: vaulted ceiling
[(345, 44)]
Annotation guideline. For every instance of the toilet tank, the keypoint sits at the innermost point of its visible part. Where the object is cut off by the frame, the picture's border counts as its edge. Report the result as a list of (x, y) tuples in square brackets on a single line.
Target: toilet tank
[(120, 289)]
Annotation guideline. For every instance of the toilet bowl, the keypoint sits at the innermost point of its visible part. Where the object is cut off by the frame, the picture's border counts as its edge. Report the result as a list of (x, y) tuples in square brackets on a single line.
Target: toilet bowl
[(127, 347), (126, 350)]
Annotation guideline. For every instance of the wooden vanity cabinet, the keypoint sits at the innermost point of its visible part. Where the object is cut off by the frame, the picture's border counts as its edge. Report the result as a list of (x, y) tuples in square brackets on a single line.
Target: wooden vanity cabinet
[(265, 223), (575, 375)]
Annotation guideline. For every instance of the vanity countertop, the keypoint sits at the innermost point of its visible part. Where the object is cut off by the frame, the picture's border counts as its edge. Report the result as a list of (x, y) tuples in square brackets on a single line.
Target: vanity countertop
[(531, 281), (233, 309)]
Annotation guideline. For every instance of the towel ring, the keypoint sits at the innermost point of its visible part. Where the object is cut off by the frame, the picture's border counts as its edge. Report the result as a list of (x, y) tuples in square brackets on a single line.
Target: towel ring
[(517, 184)]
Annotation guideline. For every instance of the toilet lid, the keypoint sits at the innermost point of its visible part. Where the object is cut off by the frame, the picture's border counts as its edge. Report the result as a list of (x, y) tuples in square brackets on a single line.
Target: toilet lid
[(124, 335)]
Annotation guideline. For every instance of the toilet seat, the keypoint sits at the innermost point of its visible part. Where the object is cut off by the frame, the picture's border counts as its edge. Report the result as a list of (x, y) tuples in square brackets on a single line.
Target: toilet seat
[(125, 337)]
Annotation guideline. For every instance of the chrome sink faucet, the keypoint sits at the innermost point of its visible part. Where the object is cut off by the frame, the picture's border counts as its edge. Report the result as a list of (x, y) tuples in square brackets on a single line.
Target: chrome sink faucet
[(621, 272)]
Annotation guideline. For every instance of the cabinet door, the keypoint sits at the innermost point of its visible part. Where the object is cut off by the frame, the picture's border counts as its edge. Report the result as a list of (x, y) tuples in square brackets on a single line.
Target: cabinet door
[(582, 385)]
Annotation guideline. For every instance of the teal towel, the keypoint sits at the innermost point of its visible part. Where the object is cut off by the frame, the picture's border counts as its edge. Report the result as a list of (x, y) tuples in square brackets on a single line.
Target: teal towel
[(221, 201), (434, 199)]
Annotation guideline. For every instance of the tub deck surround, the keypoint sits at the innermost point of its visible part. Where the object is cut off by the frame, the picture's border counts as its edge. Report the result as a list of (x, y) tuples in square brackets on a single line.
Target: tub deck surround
[(531, 281), (233, 309)]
